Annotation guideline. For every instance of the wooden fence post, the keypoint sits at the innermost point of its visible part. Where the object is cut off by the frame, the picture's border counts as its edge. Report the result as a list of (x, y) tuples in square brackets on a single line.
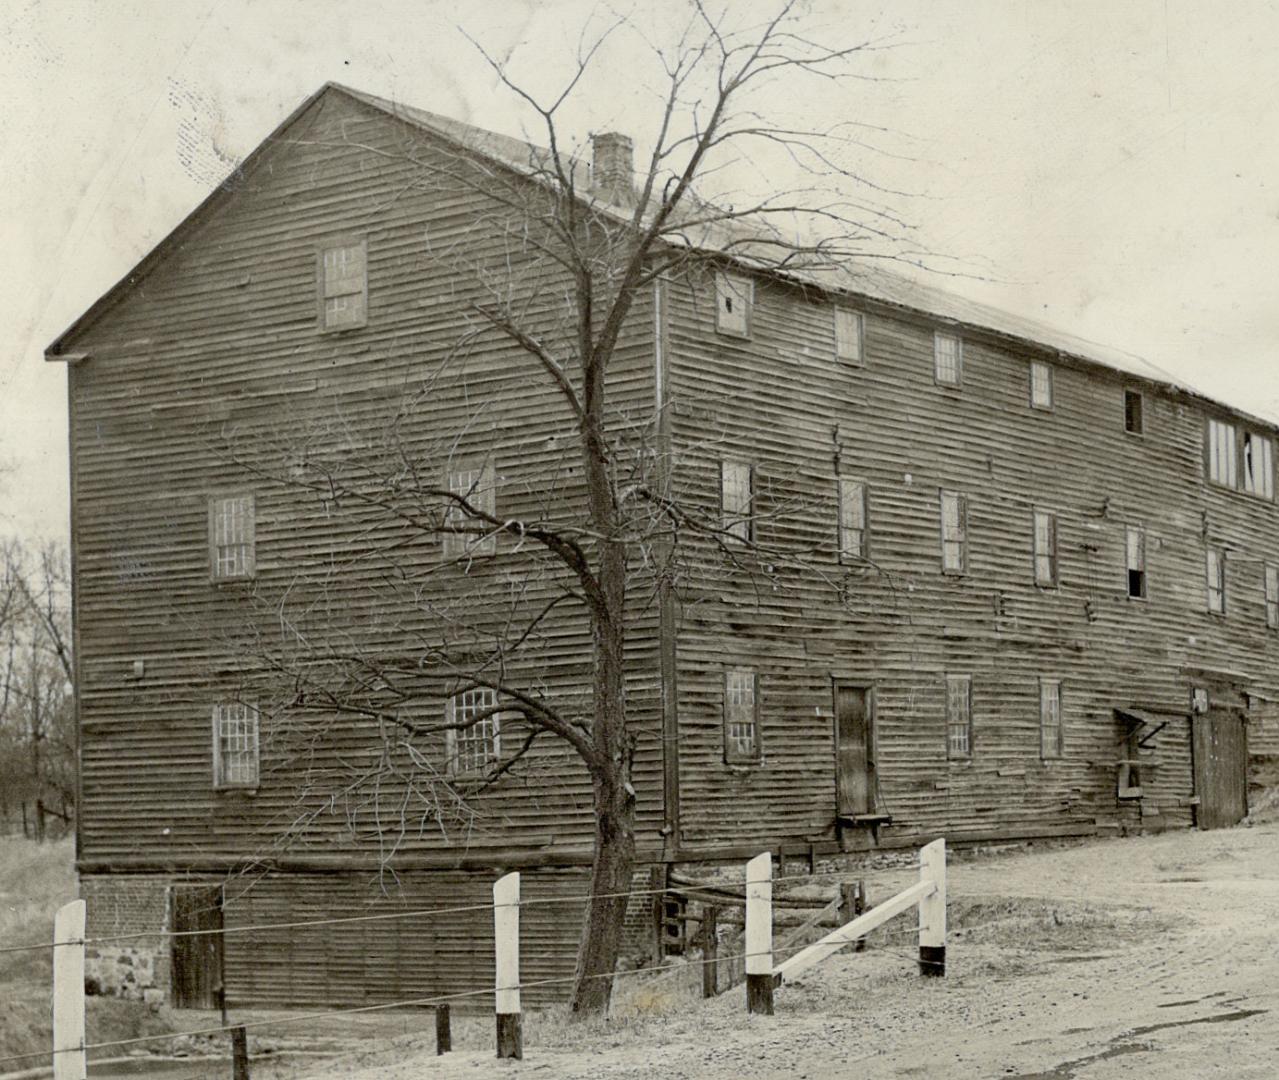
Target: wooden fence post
[(68, 992), (932, 910), (506, 936), (759, 934), (710, 950), (239, 1054), (443, 1032)]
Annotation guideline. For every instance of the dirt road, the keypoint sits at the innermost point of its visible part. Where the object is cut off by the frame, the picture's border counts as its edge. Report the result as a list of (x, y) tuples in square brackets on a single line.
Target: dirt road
[(1145, 957)]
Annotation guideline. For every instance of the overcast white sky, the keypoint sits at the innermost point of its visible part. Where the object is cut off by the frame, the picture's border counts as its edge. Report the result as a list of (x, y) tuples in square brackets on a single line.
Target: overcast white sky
[(1108, 166)]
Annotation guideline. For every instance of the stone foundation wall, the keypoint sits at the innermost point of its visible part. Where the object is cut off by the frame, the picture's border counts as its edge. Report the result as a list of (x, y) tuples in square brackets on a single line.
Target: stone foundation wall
[(136, 967)]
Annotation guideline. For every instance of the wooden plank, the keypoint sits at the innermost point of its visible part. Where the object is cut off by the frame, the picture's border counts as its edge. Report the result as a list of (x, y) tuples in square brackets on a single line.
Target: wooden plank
[(68, 992)]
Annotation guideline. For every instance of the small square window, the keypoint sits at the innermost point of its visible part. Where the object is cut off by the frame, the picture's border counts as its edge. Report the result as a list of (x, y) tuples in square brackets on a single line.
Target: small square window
[(741, 716), (1134, 419), (852, 520), (1041, 385), (954, 533), (736, 499), (1045, 549), (235, 746), (1215, 568), (467, 533), (948, 359), (1136, 559), (473, 737), (232, 537), (1050, 728), (734, 296), (959, 716), (850, 330), (344, 286)]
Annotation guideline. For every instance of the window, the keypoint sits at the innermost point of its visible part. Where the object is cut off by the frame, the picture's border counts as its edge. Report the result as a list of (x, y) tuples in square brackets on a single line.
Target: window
[(1136, 546), (474, 484), (1222, 459), (1240, 459), (231, 537), (741, 716), (948, 359), (734, 295), (235, 746), (736, 496), (1041, 386), (472, 740), (1215, 566), (1272, 596), (954, 533), (1134, 421), (1258, 466), (959, 716), (1050, 732), (850, 333), (852, 520), (344, 287), (1045, 549)]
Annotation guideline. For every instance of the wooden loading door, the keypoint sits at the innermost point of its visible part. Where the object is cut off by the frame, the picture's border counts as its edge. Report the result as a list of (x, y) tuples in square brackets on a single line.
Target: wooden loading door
[(854, 755), (1221, 768), (197, 958)]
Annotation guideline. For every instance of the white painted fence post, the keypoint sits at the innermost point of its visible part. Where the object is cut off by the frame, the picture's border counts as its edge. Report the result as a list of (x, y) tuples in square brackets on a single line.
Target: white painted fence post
[(932, 910), (68, 992), (506, 937), (759, 934)]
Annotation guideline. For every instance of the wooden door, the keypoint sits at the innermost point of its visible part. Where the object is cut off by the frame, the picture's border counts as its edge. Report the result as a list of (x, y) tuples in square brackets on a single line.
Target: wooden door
[(1221, 768), (197, 958), (854, 752)]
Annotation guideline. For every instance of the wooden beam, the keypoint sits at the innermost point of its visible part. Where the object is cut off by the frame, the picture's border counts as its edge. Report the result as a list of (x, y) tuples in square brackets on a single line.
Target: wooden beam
[(506, 940), (932, 909), (68, 992), (759, 934)]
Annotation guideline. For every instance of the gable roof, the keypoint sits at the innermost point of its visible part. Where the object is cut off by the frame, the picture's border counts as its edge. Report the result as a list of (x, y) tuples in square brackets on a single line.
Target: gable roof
[(869, 279)]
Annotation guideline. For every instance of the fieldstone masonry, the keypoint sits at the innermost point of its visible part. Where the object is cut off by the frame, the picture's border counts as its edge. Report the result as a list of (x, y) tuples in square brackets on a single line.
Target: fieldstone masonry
[(135, 967)]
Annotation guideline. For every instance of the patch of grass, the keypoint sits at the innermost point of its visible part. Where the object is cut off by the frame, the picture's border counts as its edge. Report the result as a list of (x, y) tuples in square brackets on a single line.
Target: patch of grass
[(1049, 924)]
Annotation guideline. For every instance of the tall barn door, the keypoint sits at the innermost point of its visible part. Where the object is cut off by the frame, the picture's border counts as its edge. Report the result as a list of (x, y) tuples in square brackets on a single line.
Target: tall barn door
[(197, 958), (1221, 768), (854, 752)]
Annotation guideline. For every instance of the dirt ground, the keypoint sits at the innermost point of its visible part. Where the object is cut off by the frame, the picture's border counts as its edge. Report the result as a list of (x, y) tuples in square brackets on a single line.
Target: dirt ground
[(1151, 957)]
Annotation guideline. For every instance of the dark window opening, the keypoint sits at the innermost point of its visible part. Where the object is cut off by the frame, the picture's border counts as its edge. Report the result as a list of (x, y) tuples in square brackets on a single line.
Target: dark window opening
[(1133, 421)]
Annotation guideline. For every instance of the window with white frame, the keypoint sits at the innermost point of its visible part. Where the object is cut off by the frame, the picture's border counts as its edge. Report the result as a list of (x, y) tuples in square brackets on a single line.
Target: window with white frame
[(1050, 727), (465, 533), (1257, 465), (1045, 549), (473, 736), (852, 520), (1135, 543), (741, 716), (1215, 568), (1041, 385), (736, 497), (235, 745), (344, 286), (954, 532), (850, 333), (1272, 596), (734, 295), (959, 716), (948, 358), (232, 537)]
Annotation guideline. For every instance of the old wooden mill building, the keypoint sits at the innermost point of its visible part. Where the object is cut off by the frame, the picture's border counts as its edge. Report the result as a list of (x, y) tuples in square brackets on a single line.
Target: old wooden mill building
[(1039, 595)]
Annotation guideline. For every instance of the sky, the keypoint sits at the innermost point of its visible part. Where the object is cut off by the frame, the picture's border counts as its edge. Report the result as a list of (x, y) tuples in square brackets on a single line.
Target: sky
[(1110, 168)]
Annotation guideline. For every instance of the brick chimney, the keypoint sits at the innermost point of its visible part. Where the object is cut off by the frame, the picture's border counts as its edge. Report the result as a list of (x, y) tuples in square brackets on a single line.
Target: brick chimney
[(612, 170)]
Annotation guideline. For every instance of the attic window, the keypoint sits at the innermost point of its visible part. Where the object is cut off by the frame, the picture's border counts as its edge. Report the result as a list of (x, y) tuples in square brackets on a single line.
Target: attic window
[(948, 359), (1041, 386), (344, 286), (734, 295), (1134, 421), (850, 329)]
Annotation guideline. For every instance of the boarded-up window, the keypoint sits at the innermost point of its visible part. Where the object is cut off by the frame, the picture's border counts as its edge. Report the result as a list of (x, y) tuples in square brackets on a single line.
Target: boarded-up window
[(1050, 729), (1215, 567), (235, 745), (852, 520), (736, 496), (1272, 596), (741, 716), (1136, 558), (1045, 548), (954, 532), (850, 329), (1258, 465), (231, 537), (472, 739), (734, 295), (959, 716), (1222, 454), (1041, 385), (344, 286), (948, 359), (1134, 413), (467, 533)]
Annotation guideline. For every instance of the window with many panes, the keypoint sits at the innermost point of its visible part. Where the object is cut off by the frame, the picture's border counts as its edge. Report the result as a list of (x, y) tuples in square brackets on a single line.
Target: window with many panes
[(954, 532), (850, 333), (466, 533), (1134, 413), (736, 496), (734, 295), (948, 358), (232, 536), (1041, 385), (235, 745), (1050, 728), (1136, 559), (1215, 569), (959, 716), (1045, 548), (741, 716), (473, 737), (344, 286), (1272, 596), (852, 520)]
